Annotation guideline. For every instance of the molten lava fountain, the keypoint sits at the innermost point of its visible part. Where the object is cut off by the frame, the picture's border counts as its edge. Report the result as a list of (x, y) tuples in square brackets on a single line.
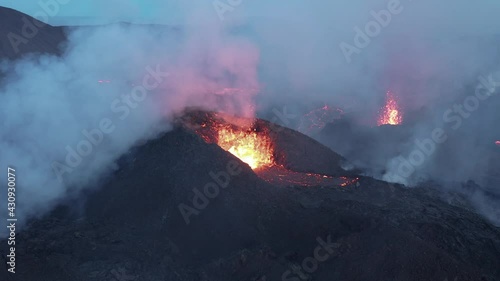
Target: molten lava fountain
[(391, 113), (252, 148)]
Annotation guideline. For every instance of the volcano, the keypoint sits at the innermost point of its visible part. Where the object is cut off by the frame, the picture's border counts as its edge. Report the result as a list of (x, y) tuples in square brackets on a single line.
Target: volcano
[(254, 228), (22, 34), (226, 198), (276, 154), (391, 113)]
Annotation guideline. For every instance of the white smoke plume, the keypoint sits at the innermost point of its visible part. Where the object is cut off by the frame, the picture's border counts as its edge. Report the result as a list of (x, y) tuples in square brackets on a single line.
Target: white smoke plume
[(67, 119), (265, 51)]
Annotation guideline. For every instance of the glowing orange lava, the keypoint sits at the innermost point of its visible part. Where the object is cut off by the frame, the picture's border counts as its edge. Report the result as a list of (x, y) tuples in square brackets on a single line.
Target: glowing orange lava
[(252, 141), (391, 113), (280, 176), (251, 147)]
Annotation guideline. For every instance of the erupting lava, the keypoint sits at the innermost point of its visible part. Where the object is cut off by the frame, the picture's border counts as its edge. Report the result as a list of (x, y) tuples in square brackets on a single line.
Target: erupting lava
[(251, 147), (254, 143), (391, 113)]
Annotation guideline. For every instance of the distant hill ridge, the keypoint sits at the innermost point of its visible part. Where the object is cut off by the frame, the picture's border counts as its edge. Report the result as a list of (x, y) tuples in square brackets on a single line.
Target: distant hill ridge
[(21, 34)]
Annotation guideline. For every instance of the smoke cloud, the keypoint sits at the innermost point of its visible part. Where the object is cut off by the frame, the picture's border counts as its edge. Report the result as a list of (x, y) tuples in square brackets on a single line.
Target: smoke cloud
[(249, 57), (67, 119), (436, 57), (433, 56)]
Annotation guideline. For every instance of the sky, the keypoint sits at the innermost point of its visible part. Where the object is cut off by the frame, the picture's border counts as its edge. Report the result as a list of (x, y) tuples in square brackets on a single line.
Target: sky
[(449, 14), (147, 11), (86, 8), (288, 51)]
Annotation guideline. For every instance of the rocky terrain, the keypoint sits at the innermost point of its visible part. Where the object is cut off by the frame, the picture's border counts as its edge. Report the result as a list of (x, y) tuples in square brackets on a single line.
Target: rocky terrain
[(154, 218), (22, 34), (132, 226)]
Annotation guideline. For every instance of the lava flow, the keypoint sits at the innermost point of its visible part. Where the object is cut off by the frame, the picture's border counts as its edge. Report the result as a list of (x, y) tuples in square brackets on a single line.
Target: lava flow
[(280, 176), (391, 113), (250, 143), (249, 146), (254, 145)]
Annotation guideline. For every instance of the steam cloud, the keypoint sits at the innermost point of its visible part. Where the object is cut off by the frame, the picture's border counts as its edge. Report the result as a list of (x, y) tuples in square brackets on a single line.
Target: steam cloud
[(263, 52), (430, 57), (66, 120)]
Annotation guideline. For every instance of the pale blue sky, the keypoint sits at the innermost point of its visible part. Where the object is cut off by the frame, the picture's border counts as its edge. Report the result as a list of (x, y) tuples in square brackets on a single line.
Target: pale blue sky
[(463, 15), (144, 10), (92, 7)]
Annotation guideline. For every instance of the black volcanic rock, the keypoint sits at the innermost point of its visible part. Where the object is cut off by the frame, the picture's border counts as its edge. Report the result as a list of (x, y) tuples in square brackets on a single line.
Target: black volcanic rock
[(131, 228), (301, 153), (14, 27), (293, 150)]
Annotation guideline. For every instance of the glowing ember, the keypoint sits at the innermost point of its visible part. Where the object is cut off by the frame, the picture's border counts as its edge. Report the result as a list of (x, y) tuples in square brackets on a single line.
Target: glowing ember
[(391, 113), (251, 147), (253, 143), (349, 181), (280, 176)]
